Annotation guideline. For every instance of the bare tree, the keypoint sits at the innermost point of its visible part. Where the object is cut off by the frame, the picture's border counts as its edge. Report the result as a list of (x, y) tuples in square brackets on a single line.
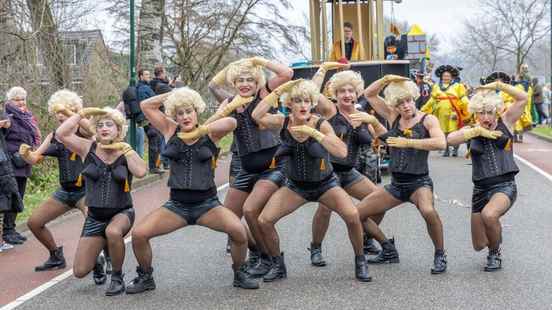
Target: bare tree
[(504, 32), (151, 33)]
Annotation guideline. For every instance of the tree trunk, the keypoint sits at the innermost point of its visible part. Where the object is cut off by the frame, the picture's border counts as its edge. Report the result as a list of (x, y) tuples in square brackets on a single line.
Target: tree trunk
[(151, 21), (49, 42)]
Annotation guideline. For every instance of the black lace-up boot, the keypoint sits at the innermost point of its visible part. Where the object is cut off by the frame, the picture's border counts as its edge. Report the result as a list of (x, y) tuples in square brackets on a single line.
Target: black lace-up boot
[(143, 282), (55, 261), (494, 261), (243, 279), (439, 262), (316, 255), (361, 269), (98, 274), (388, 254), (117, 285), (278, 270)]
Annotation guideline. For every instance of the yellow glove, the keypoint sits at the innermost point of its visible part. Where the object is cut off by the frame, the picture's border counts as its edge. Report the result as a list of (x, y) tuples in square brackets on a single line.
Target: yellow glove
[(117, 146), (60, 108), (237, 102), (332, 65), (194, 134), (273, 97), (364, 118), (390, 78), (309, 131), (478, 131), (28, 155), (402, 143), (220, 78), (258, 61), (87, 112)]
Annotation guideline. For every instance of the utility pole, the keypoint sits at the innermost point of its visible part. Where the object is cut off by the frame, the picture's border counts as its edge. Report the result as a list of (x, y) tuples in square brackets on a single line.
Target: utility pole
[(132, 65)]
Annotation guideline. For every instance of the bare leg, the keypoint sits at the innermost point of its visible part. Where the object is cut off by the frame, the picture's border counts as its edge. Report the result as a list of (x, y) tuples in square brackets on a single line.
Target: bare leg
[(46, 212), (479, 236), (223, 220), (491, 213), (320, 223), (115, 232), (253, 206), (423, 199), (374, 206), (336, 199), (85, 258), (282, 203), (159, 222)]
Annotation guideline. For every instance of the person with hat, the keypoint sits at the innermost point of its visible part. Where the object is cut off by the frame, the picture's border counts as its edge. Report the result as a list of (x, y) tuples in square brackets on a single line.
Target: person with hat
[(448, 102), (424, 88)]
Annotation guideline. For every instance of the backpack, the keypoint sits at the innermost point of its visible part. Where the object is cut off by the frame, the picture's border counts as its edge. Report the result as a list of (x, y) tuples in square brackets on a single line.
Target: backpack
[(132, 106)]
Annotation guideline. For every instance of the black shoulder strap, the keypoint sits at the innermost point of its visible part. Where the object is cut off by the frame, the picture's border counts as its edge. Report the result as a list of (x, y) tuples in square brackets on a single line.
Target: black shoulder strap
[(286, 122), (319, 123)]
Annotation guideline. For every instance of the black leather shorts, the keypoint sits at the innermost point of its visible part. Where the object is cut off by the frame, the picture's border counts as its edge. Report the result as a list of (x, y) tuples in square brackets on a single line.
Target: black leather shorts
[(96, 228), (235, 165), (245, 181), (483, 194), (348, 178), (191, 212), (69, 198), (312, 191), (403, 190)]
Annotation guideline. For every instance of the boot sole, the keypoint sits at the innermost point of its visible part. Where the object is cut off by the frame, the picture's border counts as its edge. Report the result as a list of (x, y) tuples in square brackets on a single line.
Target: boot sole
[(114, 293), (387, 261), (100, 282), (321, 264), (50, 268), (138, 292), (245, 288), (275, 279), (369, 279), (486, 269), (438, 272)]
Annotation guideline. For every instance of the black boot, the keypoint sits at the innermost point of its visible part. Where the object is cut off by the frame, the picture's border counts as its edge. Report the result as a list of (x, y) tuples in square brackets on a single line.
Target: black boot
[(369, 246), (55, 261), (278, 270), (316, 255), (494, 261), (253, 259), (455, 151), (361, 269), (228, 246), (388, 254), (243, 279), (143, 282), (98, 274), (447, 152), (439, 262), (262, 268), (117, 285), (108, 266)]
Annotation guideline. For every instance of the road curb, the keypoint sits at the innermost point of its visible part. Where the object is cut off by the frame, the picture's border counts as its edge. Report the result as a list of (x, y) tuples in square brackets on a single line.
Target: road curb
[(136, 185), (546, 139)]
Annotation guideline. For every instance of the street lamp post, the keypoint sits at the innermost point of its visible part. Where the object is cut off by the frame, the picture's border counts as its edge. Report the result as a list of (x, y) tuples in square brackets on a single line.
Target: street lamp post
[(132, 65)]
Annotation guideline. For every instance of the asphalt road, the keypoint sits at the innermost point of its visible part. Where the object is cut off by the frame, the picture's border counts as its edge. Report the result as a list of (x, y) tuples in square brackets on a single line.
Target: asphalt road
[(192, 270)]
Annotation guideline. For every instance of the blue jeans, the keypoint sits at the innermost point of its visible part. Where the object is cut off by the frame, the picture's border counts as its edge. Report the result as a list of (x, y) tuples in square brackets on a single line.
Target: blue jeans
[(139, 140)]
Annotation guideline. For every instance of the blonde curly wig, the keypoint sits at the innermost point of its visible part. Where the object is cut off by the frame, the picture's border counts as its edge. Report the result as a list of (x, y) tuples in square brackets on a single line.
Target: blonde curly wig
[(343, 78), (398, 91), (243, 67), (66, 98), (305, 89), (117, 117), (182, 98), (486, 101)]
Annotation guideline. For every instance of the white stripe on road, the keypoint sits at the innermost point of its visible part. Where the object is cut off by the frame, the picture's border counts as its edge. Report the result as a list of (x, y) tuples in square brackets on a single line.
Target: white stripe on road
[(16, 303), (537, 169)]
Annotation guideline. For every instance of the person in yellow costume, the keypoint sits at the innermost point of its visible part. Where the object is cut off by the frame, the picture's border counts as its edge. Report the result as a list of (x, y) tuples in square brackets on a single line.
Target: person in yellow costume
[(352, 47), (448, 102)]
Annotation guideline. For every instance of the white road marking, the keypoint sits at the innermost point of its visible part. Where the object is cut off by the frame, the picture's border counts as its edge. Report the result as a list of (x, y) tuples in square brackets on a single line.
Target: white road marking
[(20, 300), (530, 165)]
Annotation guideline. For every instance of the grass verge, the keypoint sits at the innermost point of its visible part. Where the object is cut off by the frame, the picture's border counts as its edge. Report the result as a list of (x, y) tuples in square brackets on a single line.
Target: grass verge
[(543, 132)]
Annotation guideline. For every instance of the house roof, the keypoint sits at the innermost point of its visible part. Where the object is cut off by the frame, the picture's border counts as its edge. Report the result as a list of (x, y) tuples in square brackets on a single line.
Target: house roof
[(91, 37)]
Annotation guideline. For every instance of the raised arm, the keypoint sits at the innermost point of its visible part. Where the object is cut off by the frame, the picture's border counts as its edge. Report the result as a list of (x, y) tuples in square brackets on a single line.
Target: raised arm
[(226, 108), (260, 113), (318, 77), (378, 104), (375, 127), (158, 119), (514, 112), (216, 130), (33, 157), (66, 133), (283, 73)]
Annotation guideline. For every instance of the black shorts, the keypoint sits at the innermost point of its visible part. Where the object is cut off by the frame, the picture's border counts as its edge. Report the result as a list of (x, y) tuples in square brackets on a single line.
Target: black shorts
[(312, 191), (69, 198), (483, 194), (245, 181), (402, 190), (235, 165), (96, 228), (191, 212), (349, 178)]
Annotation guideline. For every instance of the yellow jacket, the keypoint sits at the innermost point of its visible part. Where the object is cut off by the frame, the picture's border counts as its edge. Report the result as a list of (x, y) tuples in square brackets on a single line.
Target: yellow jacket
[(449, 105), (525, 122), (336, 51)]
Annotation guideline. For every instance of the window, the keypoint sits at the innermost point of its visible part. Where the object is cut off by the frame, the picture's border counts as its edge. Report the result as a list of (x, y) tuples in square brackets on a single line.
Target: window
[(70, 51)]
